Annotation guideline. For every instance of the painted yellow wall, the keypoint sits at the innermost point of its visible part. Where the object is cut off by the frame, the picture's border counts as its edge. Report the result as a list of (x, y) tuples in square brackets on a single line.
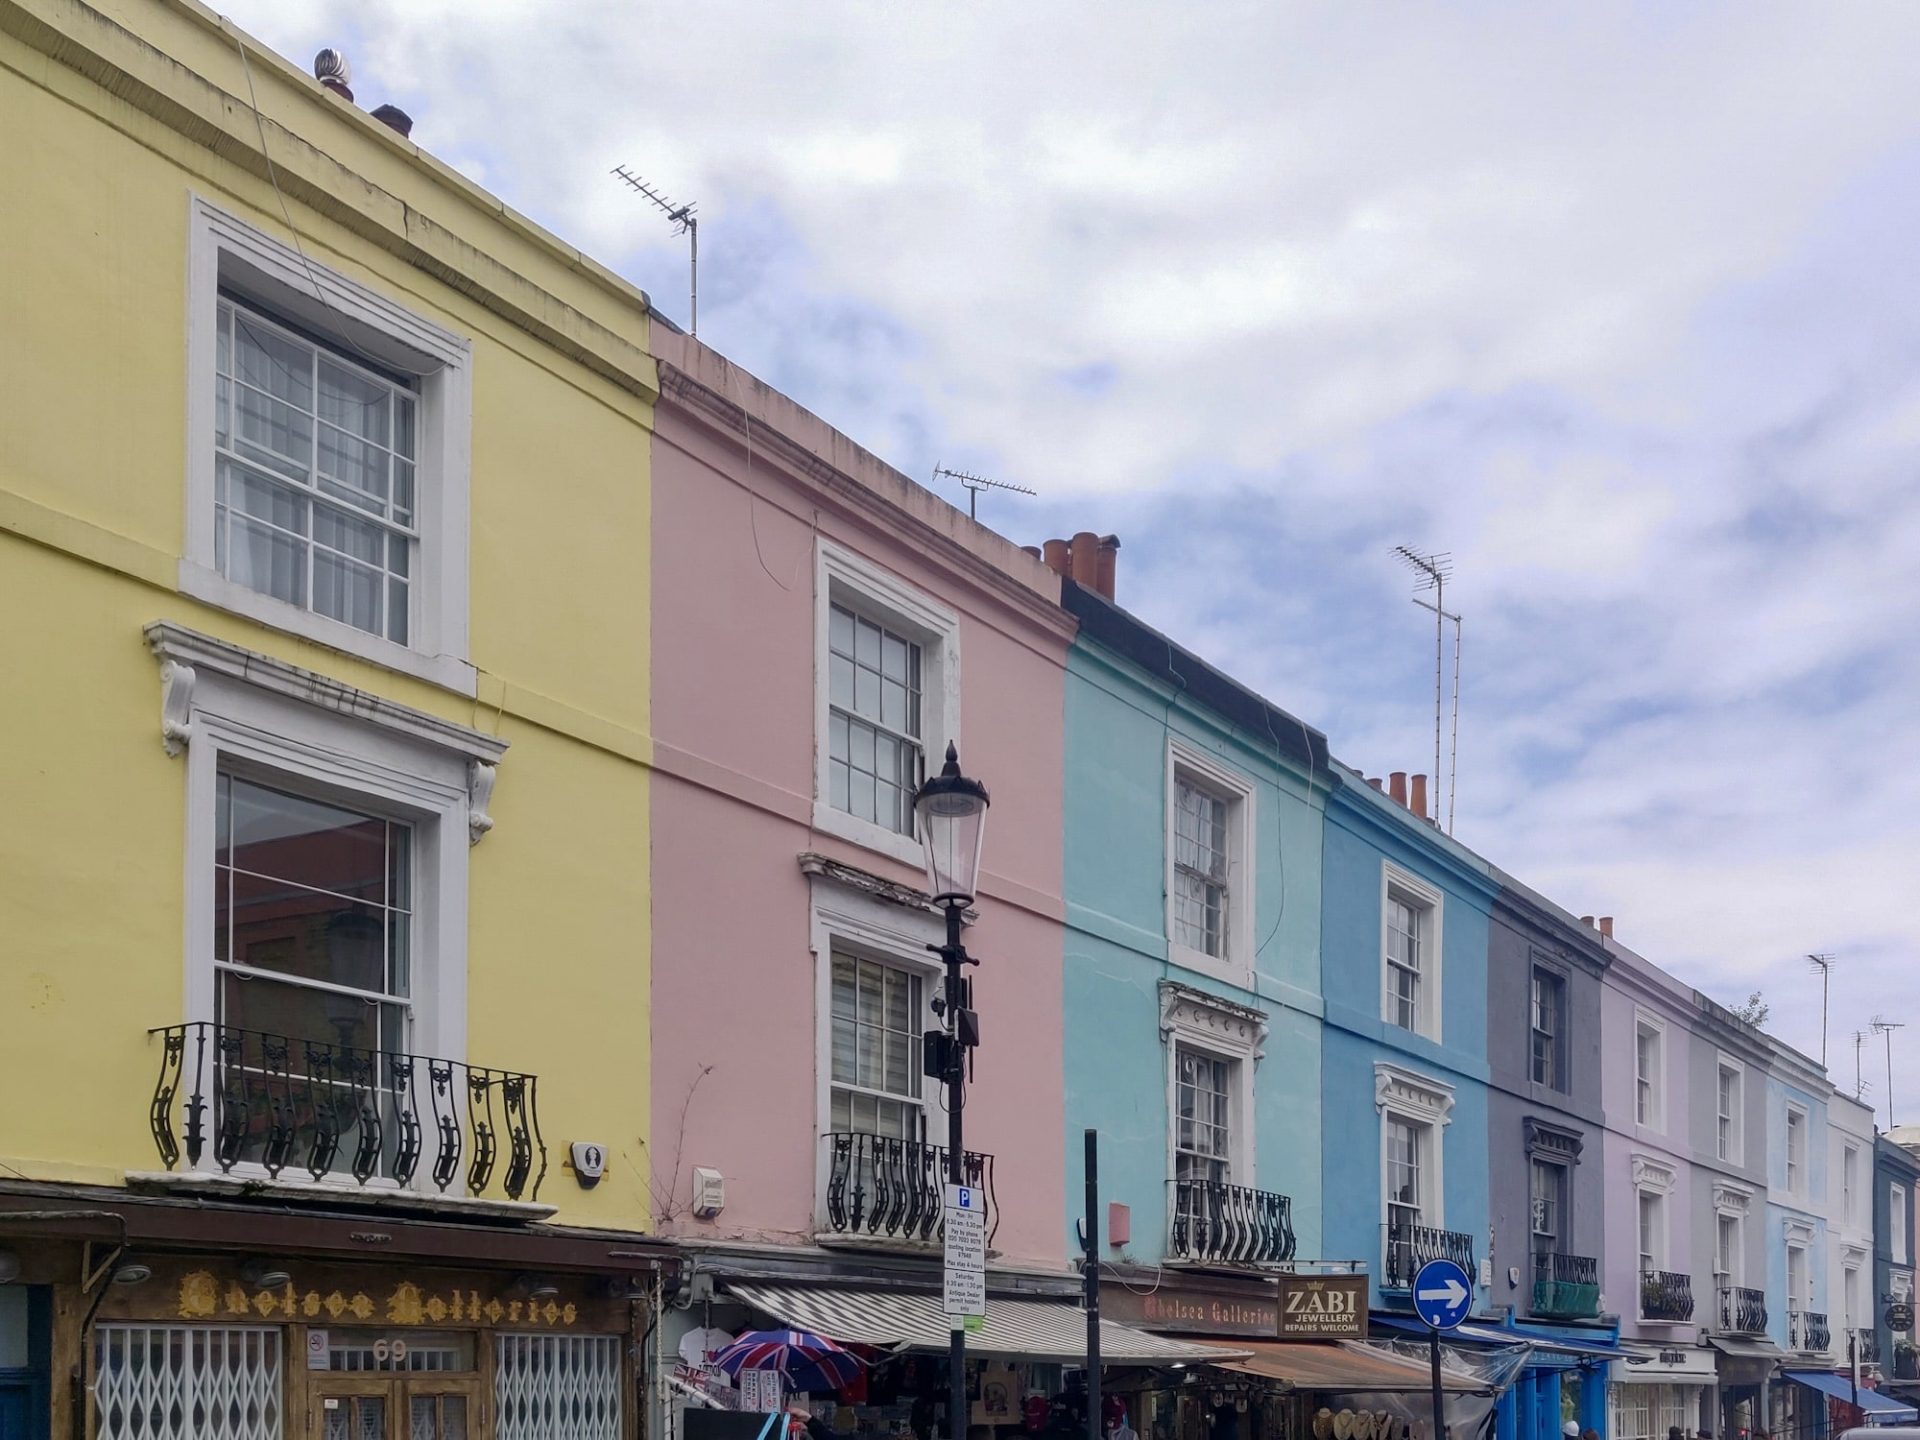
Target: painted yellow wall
[(93, 312)]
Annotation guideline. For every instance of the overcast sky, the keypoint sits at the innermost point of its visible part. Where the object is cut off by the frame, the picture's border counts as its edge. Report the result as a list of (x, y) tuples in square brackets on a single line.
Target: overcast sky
[(1616, 303)]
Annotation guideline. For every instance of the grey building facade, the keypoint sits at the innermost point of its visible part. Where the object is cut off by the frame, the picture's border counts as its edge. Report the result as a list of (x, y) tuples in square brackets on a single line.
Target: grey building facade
[(1544, 1112)]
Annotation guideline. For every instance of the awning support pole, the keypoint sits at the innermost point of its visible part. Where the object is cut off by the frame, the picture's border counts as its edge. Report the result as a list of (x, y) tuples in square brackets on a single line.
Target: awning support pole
[(1090, 1282)]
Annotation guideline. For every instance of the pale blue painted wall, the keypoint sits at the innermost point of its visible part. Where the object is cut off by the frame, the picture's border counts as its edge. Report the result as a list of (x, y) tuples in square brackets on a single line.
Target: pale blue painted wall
[(1808, 1208), (1118, 721), (1364, 830)]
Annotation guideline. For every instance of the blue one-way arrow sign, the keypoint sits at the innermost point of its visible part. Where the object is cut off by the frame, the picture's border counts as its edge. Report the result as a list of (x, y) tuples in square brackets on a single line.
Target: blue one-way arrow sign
[(1442, 1294)]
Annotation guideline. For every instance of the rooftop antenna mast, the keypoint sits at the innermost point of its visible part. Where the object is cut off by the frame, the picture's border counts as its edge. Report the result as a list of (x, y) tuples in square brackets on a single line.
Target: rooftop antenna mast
[(1823, 965), (685, 224), (974, 484), (1859, 1084), (1883, 1026), (1431, 572)]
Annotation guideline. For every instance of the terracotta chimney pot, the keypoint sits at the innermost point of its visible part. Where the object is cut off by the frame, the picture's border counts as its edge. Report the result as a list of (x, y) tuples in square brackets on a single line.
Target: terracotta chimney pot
[(1587, 920), (1397, 786), (1417, 796), (1106, 561), (1084, 552), (1606, 926), (1374, 781), (1055, 554), (1033, 550)]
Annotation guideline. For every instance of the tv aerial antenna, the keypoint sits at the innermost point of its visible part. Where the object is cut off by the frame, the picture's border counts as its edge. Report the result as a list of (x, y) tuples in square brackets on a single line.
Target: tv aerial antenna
[(974, 484), (684, 223), (1880, 1025), (1822, 964), (1431, 572), (1860, 1084)]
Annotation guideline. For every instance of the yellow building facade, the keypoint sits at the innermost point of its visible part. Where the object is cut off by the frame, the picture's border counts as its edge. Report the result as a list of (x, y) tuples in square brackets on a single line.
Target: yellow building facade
[(324, 513)]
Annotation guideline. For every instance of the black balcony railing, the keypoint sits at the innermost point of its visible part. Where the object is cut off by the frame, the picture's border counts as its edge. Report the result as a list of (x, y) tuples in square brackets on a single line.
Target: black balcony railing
[(1229, 1224), (1743, 1311), (889, 1189), (1666, 1295), (1566, 1287), (229, 1097), (1405, 1248), (1807, 1331), (1906, 1363), (1867, 1346)]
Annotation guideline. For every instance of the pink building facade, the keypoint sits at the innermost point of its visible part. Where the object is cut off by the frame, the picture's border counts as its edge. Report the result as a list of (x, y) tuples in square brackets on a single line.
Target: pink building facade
[(823, 627)]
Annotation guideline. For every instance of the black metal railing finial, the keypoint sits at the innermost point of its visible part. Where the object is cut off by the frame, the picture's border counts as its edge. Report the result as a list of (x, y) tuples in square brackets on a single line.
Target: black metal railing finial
[(1217, 1223), (891, 1189), (254, 1098)]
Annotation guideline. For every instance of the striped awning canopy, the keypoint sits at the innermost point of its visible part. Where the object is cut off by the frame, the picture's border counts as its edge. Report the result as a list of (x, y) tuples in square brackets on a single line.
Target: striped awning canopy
[(1345, 1367), (1031, 1329)]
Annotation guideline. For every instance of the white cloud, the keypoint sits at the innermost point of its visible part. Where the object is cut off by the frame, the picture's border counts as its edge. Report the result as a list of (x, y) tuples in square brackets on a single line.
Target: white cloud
[(1614, 302)]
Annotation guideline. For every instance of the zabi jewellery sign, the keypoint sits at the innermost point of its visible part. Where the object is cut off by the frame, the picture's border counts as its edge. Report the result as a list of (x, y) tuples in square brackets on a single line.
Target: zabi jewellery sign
[(1322, 1307)]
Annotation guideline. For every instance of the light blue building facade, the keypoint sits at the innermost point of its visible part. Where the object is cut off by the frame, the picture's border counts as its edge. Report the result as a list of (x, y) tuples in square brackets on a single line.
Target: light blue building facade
[(1193, 822), (1404, 934)]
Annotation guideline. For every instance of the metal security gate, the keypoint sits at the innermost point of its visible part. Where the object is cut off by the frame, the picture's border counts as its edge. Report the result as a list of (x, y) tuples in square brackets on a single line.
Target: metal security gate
[(187, 1382), (557, 1387)]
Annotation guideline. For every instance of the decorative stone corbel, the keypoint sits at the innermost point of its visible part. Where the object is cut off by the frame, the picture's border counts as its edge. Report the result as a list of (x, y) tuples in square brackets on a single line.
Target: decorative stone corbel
[(480, 778), (176, 705)]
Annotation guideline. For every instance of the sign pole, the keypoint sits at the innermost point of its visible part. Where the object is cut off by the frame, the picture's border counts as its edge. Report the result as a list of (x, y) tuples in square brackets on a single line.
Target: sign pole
[(956, 1162), (1442, 1296), (1439, 1406), (1090, 1283)]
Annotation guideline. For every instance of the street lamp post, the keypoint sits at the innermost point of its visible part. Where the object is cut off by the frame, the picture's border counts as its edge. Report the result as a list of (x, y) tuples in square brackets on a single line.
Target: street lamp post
[(953, 814)]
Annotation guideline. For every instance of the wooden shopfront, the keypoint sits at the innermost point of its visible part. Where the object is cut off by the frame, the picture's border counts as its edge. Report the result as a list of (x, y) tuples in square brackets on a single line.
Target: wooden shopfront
[(218, 1347)]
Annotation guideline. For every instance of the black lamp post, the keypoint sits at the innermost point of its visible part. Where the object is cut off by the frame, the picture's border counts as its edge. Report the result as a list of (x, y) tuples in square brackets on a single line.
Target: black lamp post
[(953, 819)]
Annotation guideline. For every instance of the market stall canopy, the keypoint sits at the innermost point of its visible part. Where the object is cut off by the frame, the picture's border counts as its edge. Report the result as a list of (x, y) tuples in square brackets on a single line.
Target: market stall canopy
[(1597, 1347), (1343, 1367), (1745, 1362), (1890, 1411), (1029, 1329)]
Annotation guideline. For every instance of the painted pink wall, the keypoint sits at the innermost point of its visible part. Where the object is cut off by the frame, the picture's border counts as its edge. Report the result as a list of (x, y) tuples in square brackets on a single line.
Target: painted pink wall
[(733, 714)]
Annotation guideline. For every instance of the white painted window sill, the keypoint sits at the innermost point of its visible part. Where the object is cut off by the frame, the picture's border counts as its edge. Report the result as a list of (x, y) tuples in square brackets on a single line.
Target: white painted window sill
[(387, 1196), (904, 848), (447, 671)]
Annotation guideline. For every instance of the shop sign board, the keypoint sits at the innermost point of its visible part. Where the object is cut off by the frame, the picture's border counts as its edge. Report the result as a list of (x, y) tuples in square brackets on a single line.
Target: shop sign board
[(1181, 1308), (964, 1272), (760, 1391), (1322, 1307)]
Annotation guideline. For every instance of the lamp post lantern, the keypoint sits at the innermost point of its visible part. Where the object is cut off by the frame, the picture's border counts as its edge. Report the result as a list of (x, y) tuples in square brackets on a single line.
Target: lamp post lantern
[(952, 811)]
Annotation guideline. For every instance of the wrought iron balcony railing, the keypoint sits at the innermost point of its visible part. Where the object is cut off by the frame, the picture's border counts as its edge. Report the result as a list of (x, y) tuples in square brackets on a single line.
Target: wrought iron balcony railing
[(1867, 1345), (1807, 1331), (1666, 1295), (1743, 1311), (889, 1189), (1223, 1224), (229, 1097), (1566, 1287), (1405, 1248)]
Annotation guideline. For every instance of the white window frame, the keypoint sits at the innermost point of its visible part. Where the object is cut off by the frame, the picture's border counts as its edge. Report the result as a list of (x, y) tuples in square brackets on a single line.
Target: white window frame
[(1416, 1099), (1803, 1300), (1730, 1203), (1656, 1120), (1798, 1179), (843, 577), (1411, 889), (1850, 1293), (1193, 1020), (1656, 1252), (843, 918), (1898, 1242), (1849, 1184), (1731, 1147), (1185, 760), (233, 709), (224, 250)]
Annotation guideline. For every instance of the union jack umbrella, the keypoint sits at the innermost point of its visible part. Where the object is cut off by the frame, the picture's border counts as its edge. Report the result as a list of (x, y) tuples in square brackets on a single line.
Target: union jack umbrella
[(807, 1362)]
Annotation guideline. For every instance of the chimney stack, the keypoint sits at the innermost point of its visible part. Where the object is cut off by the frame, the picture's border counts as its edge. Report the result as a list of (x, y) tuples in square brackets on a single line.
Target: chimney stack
[(1089, 560), (1606, 926), (1417, 796), (1374, 781), (1397, 786), (394, 118), (1587, 920)]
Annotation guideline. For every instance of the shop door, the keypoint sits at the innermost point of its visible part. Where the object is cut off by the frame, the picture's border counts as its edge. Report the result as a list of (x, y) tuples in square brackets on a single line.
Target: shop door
[(373, 1407)]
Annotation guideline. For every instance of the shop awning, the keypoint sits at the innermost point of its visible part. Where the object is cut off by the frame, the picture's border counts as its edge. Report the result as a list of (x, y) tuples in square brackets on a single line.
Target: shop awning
[(914, 1320), (1598, 1347), (1343, 1367), (1840, 1388)]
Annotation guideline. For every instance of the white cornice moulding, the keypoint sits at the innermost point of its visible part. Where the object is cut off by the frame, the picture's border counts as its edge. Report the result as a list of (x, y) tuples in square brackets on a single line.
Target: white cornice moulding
[(1411, 1093), (1650, 1174), (1731, 1199), (1206, 1018), (186, 657)]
